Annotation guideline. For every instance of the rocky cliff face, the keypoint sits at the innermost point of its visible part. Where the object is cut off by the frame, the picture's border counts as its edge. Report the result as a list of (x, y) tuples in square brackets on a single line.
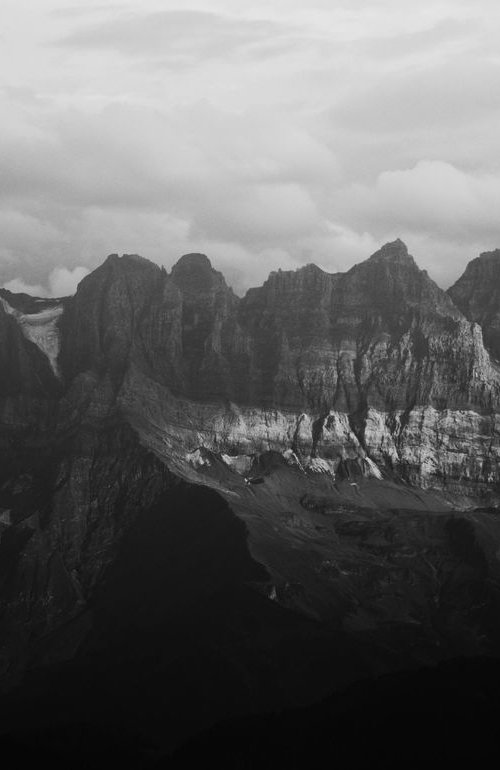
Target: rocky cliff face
[(376, 364), (477, 295), (343, 418), (382, 335), (99, 325)]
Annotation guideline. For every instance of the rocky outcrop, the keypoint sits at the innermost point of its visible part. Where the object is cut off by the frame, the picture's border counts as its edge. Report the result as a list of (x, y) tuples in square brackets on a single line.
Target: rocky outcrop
[(99, 325), (477, 295), (209, 331)]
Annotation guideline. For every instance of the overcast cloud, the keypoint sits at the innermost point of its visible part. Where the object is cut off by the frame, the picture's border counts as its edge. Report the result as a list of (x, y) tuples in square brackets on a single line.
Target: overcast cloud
[(265, 134)]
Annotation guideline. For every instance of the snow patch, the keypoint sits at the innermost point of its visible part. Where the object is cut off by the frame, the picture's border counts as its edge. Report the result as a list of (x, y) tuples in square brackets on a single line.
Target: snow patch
[(197, 459), (41, 329), (373, 470), (292, 459), (319, 465), (239, 463)]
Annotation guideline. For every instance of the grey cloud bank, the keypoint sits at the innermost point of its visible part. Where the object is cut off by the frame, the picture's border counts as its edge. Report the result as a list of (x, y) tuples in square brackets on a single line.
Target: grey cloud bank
[(182, 37), (266, 136)]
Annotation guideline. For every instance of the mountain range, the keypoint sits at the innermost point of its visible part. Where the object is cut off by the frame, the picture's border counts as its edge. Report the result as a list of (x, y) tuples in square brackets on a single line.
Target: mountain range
[(213, 505)]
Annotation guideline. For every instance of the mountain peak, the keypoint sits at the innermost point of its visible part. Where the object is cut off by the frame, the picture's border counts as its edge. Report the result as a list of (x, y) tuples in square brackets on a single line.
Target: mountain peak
[(478, 275), (192, 262), (490, 255), (128, 259), (194, 272), (394, 251), (312, 269)]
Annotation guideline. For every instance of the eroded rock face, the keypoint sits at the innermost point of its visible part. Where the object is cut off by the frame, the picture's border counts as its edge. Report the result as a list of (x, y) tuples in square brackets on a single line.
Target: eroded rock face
[(477, 295), (208, 328), (453, 452), (382, 335), (99, 326)]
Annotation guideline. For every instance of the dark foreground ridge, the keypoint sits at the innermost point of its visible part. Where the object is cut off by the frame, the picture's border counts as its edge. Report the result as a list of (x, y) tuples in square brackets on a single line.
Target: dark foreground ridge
[(443, 715), (414, 719)]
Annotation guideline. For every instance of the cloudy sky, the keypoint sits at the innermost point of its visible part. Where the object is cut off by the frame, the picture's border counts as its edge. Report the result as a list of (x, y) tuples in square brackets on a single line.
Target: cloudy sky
[(265, 134)]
